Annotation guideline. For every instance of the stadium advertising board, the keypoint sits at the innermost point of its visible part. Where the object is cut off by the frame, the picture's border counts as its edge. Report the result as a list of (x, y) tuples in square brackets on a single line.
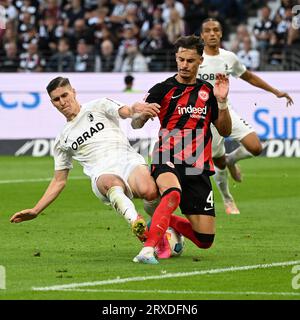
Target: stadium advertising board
[(29, 122)]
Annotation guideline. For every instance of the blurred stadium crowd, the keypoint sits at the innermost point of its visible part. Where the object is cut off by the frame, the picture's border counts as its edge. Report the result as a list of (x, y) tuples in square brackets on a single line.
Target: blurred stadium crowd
[(137, 35)]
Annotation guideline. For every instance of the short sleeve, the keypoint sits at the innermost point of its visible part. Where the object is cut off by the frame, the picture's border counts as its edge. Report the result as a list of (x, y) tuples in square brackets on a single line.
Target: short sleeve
[(112, 107), (237, 67), (155, 94), (62, 158)]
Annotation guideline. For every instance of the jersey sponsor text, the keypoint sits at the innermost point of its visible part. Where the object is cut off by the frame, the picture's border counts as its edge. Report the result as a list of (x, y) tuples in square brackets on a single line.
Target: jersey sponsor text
[(87, 135)]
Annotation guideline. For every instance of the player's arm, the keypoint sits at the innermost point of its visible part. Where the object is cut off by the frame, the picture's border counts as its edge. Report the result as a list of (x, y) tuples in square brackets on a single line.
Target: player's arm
[(153, 97), (223, 122), (144, 110), (55, 187), (256, 81)]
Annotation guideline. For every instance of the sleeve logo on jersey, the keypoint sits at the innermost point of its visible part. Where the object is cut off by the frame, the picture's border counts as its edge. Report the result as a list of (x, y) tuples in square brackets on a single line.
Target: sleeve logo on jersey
[(203, 95), (87, 135)]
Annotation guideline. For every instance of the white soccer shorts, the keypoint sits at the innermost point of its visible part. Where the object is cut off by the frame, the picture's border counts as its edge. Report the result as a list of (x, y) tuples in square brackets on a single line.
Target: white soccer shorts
[(121, 166), (240, 129)]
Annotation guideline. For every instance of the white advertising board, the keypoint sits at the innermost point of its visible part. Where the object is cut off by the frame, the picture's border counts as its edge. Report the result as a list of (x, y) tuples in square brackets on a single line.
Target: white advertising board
[(26, 112)]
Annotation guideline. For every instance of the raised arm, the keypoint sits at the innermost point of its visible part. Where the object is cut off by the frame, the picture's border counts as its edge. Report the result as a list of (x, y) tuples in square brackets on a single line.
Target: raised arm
[(223, 122), (256, 81), (55, 187)]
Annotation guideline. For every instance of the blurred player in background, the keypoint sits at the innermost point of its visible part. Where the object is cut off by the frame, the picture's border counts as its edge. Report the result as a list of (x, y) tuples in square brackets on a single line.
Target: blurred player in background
[(188, 107), (217, 60), (92, 136), (128, 80)]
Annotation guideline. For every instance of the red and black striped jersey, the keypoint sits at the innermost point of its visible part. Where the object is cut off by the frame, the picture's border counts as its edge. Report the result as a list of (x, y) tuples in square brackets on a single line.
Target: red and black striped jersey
[(185, 117)]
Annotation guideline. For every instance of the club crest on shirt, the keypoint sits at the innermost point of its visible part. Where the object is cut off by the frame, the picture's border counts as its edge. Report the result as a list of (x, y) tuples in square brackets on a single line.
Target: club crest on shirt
[(90, 117), (170, 164), (203, 95)]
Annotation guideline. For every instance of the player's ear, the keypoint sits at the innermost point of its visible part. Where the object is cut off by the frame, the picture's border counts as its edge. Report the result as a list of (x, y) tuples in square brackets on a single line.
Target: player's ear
[(201, 59)]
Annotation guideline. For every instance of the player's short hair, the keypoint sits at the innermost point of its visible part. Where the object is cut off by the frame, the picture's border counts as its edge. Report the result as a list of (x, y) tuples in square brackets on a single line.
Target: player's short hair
[(189, 42), (128, 79), (57, 83), (210, 19)]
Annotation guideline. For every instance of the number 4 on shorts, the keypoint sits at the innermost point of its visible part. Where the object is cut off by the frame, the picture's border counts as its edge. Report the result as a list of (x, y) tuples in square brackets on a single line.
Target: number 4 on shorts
[(209, 201)]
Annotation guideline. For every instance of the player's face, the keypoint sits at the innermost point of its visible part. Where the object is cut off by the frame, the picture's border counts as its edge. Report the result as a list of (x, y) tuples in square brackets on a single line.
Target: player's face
[(64, 100), (211, 33), (188, 61)]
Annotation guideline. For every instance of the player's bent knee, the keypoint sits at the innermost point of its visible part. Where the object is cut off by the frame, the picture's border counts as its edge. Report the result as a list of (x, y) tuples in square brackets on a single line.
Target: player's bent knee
[(257, 150), (106, 182), (205, 240), (150, 194)]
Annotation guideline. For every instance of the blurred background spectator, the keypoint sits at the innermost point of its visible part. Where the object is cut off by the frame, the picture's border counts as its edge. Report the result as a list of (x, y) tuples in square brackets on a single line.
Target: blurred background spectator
[(195, 13), (264, 28), (105, 59), (31, 60), (84, 58), (63, 60), (10, 61), (118, 33), (249, 56), (175, 27)]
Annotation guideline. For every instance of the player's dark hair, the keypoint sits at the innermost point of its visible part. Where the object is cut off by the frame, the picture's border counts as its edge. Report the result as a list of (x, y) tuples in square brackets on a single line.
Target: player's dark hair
[(210, 19), (189, 42), (57, 83), (128, 79)]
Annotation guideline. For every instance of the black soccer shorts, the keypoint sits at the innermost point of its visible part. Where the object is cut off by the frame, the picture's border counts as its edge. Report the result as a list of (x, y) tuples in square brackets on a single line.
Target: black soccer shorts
[(197, 194)]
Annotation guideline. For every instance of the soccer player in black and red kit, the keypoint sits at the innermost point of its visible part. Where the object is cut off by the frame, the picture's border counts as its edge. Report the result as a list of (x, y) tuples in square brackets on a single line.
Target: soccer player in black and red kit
[(182, 157)]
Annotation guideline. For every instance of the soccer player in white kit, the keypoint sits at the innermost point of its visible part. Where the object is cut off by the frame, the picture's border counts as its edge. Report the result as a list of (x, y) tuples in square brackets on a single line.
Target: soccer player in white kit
[(217, 60), (92, 136)]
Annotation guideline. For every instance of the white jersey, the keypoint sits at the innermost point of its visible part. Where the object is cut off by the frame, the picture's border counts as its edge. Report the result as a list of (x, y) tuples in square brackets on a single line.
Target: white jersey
[(93, 138), (225, 62)]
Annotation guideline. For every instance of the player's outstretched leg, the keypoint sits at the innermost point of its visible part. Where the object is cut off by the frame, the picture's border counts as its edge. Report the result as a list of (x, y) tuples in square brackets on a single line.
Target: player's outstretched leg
[(250, 146), (234, 169), (183, 226), (125, 207), (162, 250), (146, 256), (170, 200), (139, 228), (221, 179)]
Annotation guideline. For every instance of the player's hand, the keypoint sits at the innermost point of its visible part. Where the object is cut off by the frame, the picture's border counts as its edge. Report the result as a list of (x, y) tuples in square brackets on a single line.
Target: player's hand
[(27, 214), (146, 110), (221, 87), (145, 107), (289, 100)]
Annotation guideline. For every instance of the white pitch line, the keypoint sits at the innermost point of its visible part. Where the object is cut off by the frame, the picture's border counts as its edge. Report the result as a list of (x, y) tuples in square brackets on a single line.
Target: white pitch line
[(36, 180), (164, 276), (189, 292)]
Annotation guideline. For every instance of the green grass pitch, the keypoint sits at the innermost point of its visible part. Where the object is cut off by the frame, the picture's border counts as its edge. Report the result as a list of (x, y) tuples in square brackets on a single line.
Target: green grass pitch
[(78, 240)]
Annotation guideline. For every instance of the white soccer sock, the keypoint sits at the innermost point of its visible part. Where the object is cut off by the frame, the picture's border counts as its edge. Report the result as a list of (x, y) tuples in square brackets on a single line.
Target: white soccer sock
[(238, 154), (121, 203), (221, 179), (150, 206)]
